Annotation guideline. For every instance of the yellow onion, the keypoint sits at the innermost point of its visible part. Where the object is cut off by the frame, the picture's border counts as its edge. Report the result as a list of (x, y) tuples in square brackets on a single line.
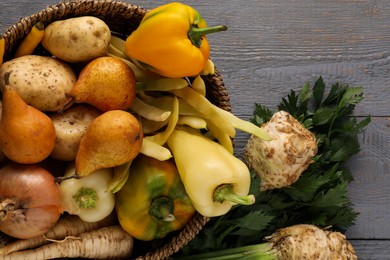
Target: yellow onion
[(30, 201)]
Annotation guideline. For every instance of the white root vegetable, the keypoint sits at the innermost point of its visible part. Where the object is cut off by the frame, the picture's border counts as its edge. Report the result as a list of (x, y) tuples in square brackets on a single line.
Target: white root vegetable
[(105, 243), (66, 227), (298, 242), (305, 241), (280, 162)]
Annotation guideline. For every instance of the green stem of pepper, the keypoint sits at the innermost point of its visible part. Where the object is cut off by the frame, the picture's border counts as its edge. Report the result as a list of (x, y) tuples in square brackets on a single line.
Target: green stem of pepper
[(85, 198), (196, 34), (225, 192), (162, 208)]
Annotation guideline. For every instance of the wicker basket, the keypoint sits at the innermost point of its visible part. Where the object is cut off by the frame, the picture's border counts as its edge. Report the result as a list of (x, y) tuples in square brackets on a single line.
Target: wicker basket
[(122, 18)]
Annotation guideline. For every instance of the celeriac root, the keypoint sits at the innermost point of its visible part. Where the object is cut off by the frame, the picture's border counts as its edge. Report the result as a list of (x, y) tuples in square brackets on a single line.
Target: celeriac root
[(105, 243), (68, 226), (304, 241)]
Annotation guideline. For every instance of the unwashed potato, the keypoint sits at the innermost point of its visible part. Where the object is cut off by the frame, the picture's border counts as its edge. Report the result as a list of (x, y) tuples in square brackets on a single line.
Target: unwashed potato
[(77, 40), (70, 127), (41, 81)]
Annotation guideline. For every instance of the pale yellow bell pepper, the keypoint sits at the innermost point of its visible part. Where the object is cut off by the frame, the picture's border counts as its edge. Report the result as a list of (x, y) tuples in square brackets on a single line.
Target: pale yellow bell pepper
[(214, 179)]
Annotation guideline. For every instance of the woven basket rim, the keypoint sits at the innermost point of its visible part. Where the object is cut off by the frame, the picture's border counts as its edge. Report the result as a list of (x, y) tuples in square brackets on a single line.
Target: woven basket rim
[(111, 10)]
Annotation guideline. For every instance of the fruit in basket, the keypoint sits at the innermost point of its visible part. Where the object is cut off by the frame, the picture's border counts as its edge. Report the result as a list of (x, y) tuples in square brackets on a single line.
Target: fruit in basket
[(30, 201), (153, 202), (70, 127), (170, 40), (77, 40), (106, 83), (41, 81), (27, 135), (112, 139), (280, 162)]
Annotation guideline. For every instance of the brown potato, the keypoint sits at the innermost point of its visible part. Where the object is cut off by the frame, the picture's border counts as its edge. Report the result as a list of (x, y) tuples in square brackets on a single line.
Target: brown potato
[(42, 82), (70, 127), (79, 39)]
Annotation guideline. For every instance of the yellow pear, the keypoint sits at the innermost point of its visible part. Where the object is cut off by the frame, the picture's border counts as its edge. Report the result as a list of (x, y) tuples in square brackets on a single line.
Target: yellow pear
[(27, 135), (112, 139), (106, 83)]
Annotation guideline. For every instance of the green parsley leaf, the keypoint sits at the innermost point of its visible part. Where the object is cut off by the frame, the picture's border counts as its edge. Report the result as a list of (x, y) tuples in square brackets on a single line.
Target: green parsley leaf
[(319, 196)]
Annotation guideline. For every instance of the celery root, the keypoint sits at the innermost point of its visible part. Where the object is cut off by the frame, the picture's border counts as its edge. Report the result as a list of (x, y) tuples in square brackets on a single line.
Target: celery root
[(302, 241), (104, 243), (306, 241), (66, 227), (281, 161)]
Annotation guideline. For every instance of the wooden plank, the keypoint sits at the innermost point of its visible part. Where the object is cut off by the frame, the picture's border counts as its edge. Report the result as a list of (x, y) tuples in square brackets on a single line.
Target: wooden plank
[(272, 46), (372, 249), (370, 190)]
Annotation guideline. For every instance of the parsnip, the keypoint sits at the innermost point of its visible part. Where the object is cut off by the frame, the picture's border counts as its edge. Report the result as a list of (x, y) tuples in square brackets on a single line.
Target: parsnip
[(66, 227), (104, 243)]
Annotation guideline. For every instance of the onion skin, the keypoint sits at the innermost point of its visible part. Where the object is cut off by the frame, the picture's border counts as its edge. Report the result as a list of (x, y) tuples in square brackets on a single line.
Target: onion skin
[(30, 201)]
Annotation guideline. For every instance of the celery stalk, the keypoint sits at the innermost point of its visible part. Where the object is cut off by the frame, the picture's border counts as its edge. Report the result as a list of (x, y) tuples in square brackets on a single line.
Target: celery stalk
[(251, 252)]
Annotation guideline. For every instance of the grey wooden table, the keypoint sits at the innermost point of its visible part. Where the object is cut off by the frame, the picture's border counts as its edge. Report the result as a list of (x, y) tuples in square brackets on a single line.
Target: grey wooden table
[(273, 46)]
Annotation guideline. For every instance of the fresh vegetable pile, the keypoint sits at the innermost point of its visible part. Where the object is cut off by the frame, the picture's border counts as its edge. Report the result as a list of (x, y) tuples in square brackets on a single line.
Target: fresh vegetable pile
[(107, 140), (319, 195)]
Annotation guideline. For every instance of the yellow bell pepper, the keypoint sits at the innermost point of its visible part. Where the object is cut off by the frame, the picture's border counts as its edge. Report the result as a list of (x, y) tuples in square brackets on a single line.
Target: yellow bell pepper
[(170, 41), (153, 202), (214, 179)]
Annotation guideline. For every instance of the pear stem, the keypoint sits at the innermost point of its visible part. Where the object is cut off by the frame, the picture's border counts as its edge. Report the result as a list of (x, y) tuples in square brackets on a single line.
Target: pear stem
[(68, 103), (64, 178), (7, 75)]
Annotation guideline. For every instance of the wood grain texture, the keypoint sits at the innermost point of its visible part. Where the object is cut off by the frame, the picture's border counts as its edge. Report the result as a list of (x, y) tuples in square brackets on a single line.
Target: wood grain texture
[(273, 46), (372, 249)]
